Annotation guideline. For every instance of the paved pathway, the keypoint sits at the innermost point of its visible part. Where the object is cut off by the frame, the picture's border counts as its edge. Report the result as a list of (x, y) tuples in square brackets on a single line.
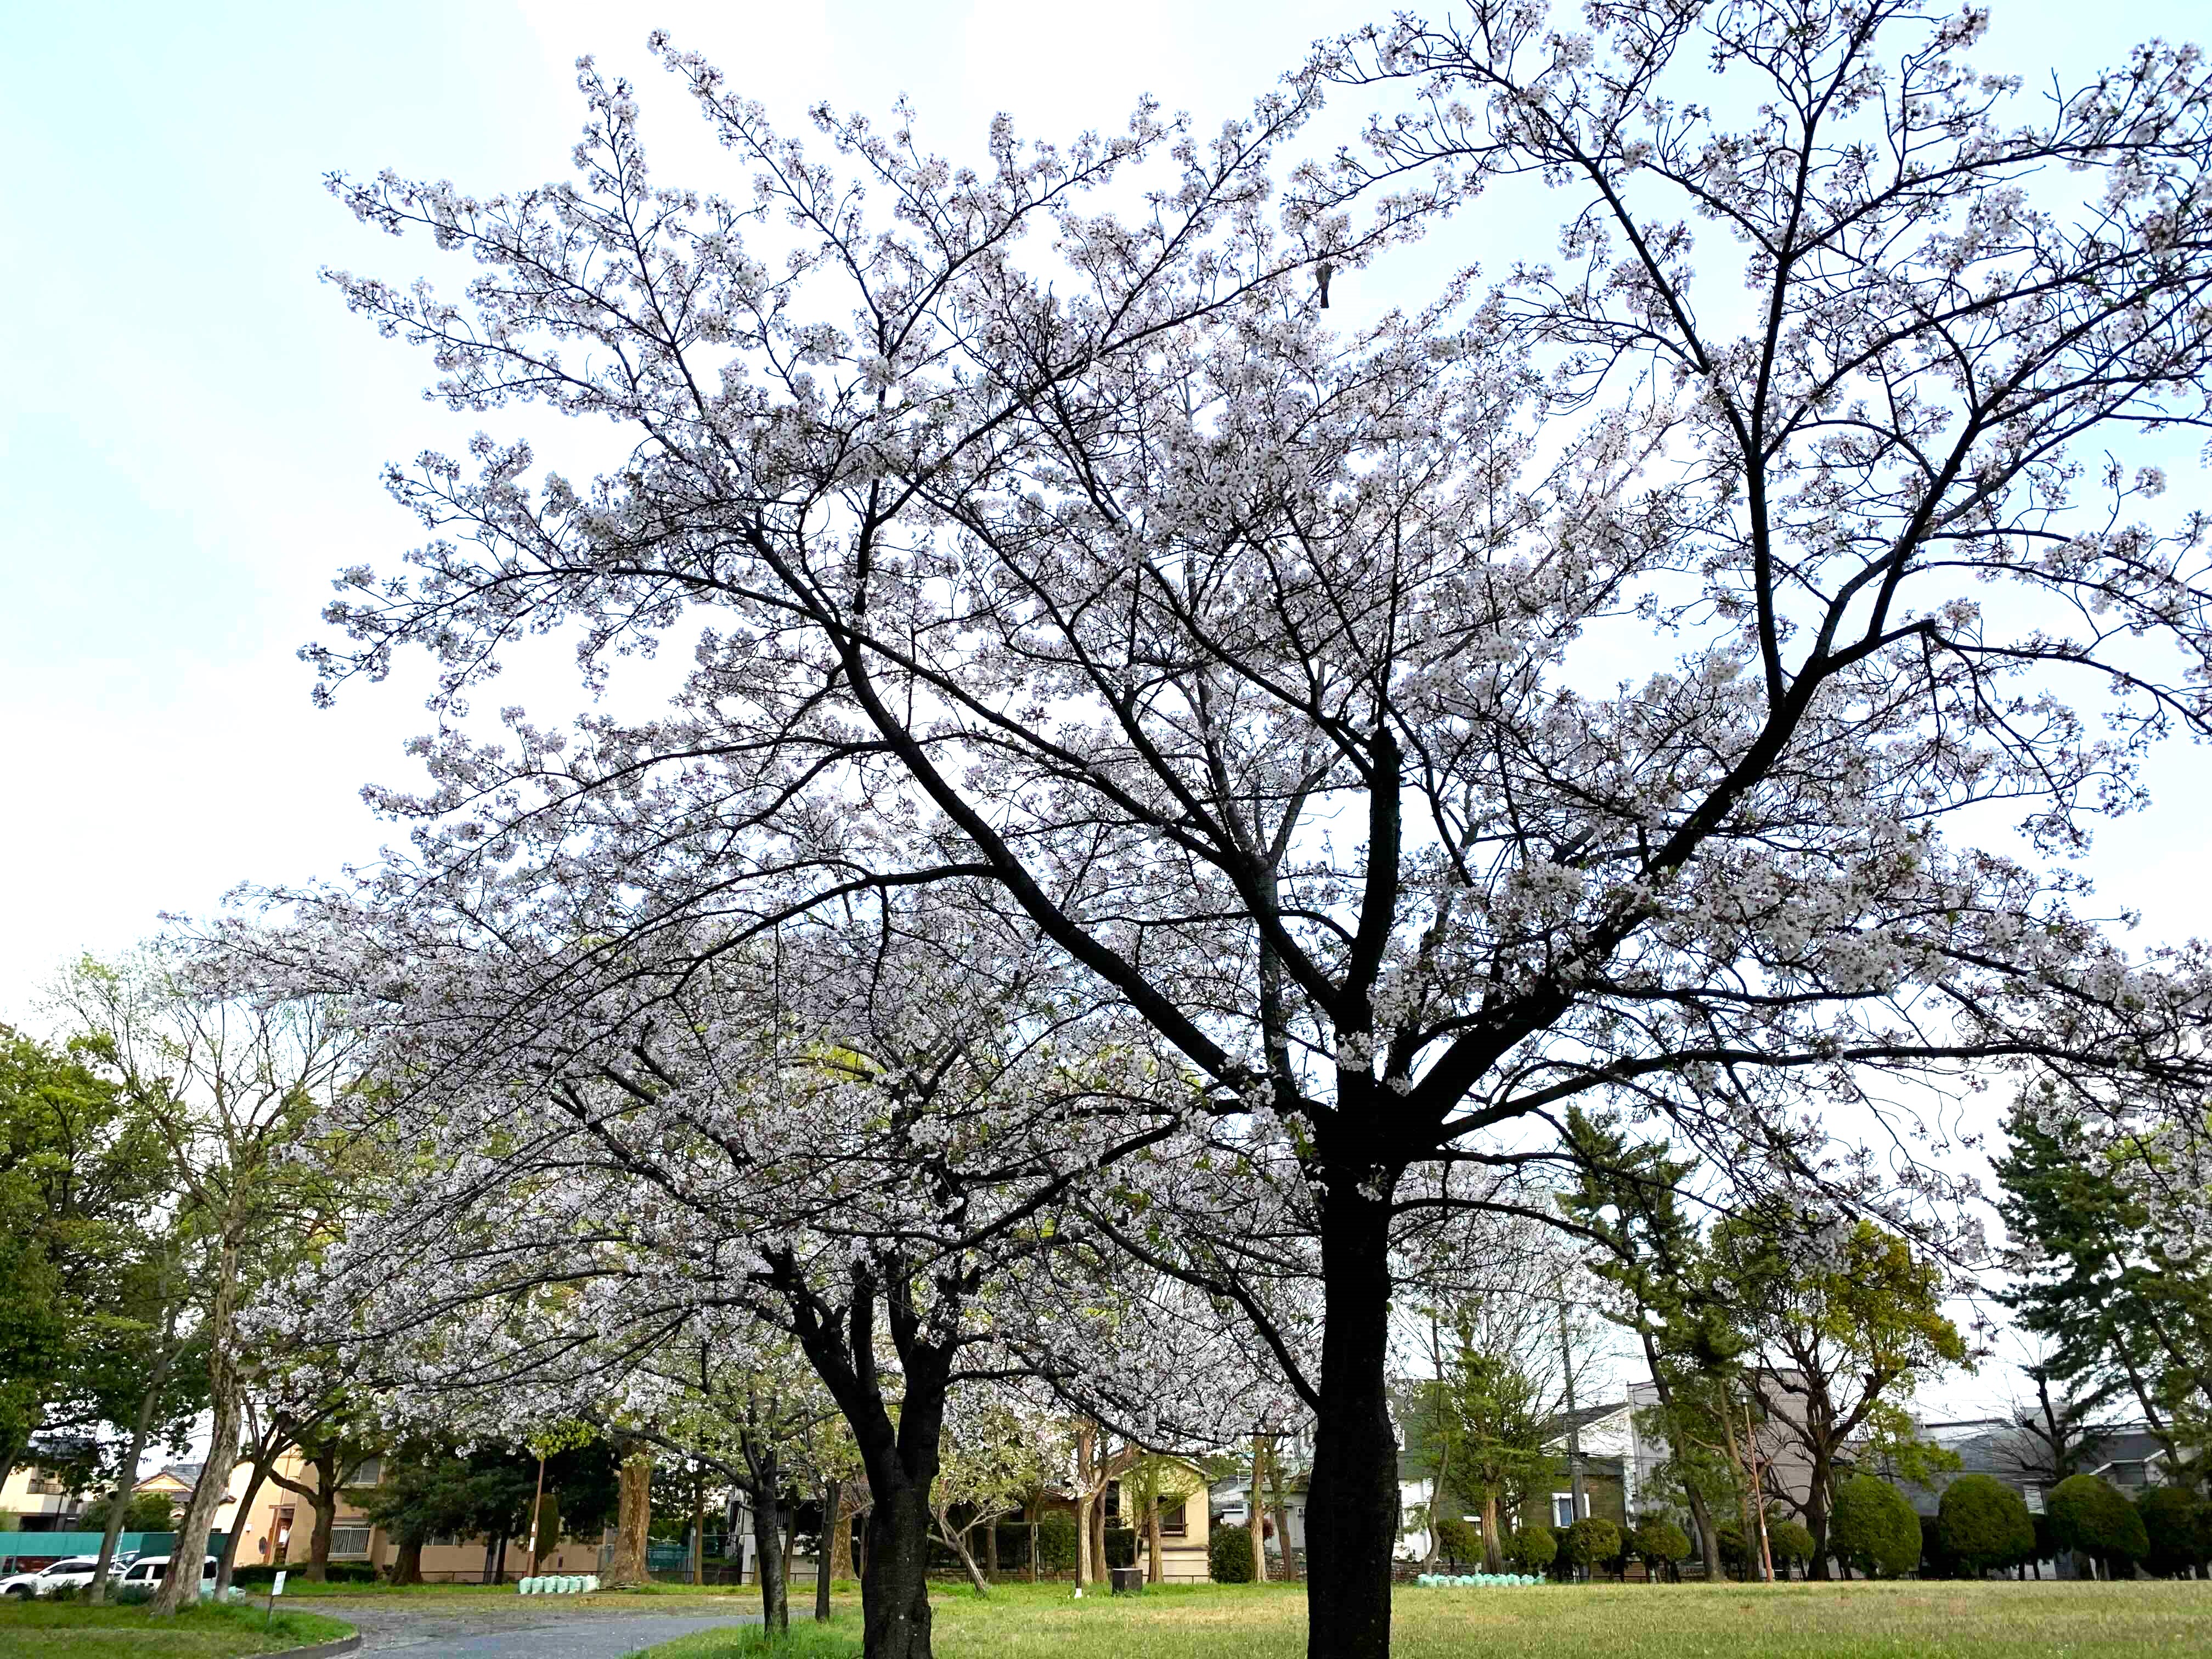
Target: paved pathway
[(526, 1627)]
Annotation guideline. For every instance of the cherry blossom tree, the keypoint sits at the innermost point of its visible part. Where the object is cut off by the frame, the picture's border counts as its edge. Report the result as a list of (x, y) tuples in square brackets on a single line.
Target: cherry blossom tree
[(1601, 689), (855, 1137)]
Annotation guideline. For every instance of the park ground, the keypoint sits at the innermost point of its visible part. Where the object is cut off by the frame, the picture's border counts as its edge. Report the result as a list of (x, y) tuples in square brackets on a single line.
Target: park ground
[(1856, 1620), (71, 1630), (1909, 1620)]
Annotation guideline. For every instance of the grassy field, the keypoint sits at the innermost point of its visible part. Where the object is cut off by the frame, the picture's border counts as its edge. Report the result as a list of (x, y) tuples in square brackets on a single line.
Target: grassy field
[(1857, 1621), (69, 1631)]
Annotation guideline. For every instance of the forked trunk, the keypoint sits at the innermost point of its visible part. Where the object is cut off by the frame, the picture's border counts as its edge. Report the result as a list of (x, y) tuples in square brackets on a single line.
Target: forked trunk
[(1351, 1505)]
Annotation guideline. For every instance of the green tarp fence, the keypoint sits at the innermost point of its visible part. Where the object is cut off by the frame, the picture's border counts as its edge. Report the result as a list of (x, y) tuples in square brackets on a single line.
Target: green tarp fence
[(43, 1546)]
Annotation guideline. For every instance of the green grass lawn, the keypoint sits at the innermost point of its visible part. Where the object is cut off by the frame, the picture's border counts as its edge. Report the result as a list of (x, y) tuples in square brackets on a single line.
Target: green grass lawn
[(1909, 1620), (70, 1631)]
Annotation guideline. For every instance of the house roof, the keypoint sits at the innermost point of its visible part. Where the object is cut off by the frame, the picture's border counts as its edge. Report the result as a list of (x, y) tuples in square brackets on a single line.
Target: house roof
[(186, 1475), (1585, 1416)]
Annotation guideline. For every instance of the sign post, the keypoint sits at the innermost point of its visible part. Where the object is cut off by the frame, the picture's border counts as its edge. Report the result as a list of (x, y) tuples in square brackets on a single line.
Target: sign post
[(275, 1589)]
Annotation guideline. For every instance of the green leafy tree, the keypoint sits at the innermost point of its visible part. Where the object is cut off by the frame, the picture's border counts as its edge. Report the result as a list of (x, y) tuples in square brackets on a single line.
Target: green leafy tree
[(2092, 1280), (1985, 1523), (1848, 1322), (1873, 1529), (1494, 1433), (81, 1251), (1628, 1197), (2089, 1517)]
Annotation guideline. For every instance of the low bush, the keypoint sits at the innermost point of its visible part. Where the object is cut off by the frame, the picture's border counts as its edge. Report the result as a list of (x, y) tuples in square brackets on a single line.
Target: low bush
[(1229, 1555), (1458, 1541), (259, 1573), (2177, 1526), (1983, 1523), (1055, 1539), (1735, 1552), (1121, 1547), (1873, 1530), (1660, 1544), (1790, 1544), (1592, 1540), (2089, 1514), (1531, 1549)]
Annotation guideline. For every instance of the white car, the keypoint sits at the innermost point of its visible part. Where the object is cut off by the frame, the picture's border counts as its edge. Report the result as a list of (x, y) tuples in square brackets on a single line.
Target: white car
[(148, 1570), (71, 1572)]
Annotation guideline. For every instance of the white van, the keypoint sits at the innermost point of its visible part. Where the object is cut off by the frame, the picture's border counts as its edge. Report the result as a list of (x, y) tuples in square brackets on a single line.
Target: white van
[(150, 1570)]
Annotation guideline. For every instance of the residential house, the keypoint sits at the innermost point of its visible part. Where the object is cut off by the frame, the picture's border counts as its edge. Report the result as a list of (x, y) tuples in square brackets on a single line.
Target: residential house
[(1229, 1504), (43, 1496)]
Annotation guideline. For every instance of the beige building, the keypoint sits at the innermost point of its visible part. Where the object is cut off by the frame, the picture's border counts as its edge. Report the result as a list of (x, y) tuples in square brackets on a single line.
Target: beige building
[(281, 1527)]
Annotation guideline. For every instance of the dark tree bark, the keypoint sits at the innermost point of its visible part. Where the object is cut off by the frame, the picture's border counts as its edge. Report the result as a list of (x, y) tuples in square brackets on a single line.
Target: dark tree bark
[(767, 1550), (833, 1521), (1351, 1504)]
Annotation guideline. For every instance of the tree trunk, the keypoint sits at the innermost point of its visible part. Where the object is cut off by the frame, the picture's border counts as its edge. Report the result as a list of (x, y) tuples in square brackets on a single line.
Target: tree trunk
[(698, 1529), (1033, 1552), (633, 1520), (1493, 1548), (895, 1575), (492, 1555), (1352, 1503), (141, 1432), (956, 1539), (833, 1522), (991, 1547), (1255, 1515), (1816, 1516), (768, 1549), (1708, 1541), (1083, 1569), (1098, 1537), (840, 1544), (325, 1503), (499, 1561), (1155, 1568), (182, 1589), (407, 1565), (226, 1563)]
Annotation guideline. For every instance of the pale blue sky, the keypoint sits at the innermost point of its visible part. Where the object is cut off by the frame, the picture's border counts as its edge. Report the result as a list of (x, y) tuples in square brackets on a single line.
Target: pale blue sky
[(190, 425)]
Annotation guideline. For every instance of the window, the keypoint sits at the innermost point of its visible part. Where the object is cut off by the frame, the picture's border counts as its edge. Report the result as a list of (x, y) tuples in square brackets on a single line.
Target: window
[(441, 1541), (1563, 1509), (1173, 1522), (349, 1541), (45, 1484), (368, 1472)]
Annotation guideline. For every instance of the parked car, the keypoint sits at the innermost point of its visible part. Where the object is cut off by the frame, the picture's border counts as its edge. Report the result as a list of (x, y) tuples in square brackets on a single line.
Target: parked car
[(149, 1570), (71, 1572)]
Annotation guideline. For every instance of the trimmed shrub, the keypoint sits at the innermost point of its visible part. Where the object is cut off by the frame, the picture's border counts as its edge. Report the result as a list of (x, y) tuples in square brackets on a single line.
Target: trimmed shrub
[(1055, 1541), (1563, 1566), (2089, 1514), (1121, 1547), (1460, 1542), (1873, 1529), (2178, 1527), (131, 1595), (1790, 1544), (1531, 1549), (1591, 1541), (1983, 1523), (1735, 1552), (1229, 1555), (1661, 1544)]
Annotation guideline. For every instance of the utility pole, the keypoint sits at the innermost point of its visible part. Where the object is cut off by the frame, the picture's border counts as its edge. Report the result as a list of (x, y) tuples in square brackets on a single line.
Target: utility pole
[(1574, 1428)]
